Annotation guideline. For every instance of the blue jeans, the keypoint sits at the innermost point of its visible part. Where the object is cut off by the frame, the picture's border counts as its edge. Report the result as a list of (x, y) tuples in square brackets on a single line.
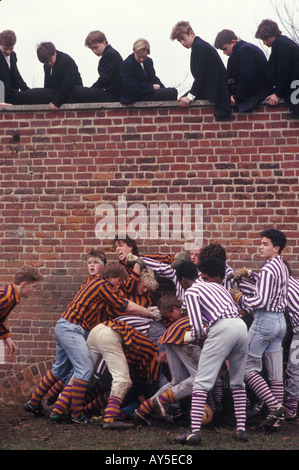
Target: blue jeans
[(72, 351), (265, 339)]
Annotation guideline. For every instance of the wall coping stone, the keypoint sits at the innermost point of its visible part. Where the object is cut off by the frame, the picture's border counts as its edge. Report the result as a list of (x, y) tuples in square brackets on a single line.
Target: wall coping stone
[(109, 105)]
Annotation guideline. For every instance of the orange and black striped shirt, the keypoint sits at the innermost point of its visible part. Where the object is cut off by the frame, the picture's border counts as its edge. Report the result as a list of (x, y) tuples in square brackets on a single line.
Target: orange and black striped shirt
[(88, 307), (9, 298), (141, 352)]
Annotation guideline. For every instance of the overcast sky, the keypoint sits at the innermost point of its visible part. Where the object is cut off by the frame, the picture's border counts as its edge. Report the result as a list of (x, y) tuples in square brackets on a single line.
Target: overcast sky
[(66, 23)]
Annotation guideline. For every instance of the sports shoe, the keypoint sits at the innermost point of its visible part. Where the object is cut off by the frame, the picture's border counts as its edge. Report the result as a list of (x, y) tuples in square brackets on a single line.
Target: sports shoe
[(36, 410), (140, 418), (117, 425), (81, 420), (255, 409), (292, 417), (57, 417), (272, 416), (189, 438), (241, 436), (160, 412)]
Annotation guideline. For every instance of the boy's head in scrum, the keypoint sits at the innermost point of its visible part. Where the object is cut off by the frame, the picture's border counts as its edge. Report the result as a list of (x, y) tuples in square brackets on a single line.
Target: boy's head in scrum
[(46, 53), (273, 241), (114, 272), (96, 41), (26, 281), (125, 245), (226, 40), (95, 261), (212, 270), (170, 307), (183, 33), (147, 282)]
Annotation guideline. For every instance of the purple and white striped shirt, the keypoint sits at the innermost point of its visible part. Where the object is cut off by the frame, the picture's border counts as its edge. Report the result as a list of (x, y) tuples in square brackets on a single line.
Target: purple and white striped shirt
[(167, 271), (207, 302), (271, 288), (293, 302)]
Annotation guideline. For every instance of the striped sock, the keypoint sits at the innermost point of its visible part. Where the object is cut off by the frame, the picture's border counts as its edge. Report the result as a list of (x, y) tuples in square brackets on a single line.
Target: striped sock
[(277, 388), (43, 387), (112, 410), (55, 390), (146, 407), (63, 401), (217, 391), (260, 387), (98, 403), (168, 397), (239, 399), (199, 398), (291, 406), (78, 392)]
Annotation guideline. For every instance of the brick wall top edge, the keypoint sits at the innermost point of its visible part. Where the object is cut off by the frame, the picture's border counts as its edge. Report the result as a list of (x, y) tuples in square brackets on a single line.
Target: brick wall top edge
[(115, 105)]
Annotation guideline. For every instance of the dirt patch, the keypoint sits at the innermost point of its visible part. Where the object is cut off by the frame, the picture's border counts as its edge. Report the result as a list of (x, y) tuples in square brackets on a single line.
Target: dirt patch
[(19, 430)]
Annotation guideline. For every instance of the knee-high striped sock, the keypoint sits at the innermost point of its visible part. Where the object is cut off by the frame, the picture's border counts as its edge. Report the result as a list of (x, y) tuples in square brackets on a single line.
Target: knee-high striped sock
[(63, 401), (239, 399), (168, 397), (291, 406), (78, 392), (277, 388), (260, 387), (112, 410), (55, 390), (146, 407), (199, 398), (45, 384), (98, 403), (211, 402)]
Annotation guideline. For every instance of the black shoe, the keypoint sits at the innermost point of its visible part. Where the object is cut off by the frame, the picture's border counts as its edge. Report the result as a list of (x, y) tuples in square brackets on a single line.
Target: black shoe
[(139, 418), (117, 425), (272, 416), (189, 438), (36, 410), (57, 417), (241, 436)]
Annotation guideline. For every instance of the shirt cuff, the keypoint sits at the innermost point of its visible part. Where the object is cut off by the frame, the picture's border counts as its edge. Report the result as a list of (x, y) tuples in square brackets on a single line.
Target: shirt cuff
[(191, 97)]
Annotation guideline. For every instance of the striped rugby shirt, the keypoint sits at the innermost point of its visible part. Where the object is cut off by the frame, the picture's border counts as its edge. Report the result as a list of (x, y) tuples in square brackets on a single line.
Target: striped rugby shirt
[(293, 302), (88, 307), (9, 298), (141, 352), (207, 302), (271, 288)]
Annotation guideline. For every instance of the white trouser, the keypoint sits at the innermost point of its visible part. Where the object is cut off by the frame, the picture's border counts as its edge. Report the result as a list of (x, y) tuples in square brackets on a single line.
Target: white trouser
[(105, 341)]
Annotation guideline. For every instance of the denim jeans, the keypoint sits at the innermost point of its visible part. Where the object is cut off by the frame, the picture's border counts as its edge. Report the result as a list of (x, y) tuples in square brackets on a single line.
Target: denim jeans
[(265, 340), (72, 351)]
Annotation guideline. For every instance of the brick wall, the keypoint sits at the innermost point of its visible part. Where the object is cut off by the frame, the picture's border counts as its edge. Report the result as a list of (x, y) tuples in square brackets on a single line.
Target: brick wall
[(57, 168)]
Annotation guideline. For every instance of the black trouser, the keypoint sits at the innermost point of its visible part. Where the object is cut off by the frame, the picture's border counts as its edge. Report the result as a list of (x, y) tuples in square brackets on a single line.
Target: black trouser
[(31, 96), (81, 94)]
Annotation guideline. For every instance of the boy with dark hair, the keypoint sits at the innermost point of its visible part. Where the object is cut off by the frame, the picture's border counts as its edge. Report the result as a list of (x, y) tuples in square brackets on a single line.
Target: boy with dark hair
[(24, 285), (246, 70), (15, 89), (61, 74), (283, 64), (212, 313), (107, 87), (208, 70), (268, 303)]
